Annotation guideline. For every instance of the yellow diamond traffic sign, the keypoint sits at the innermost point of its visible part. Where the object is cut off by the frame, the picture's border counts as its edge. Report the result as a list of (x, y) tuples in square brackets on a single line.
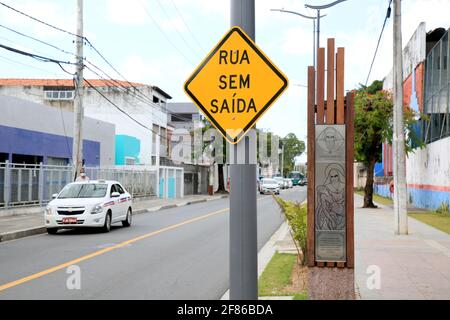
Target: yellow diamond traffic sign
[(235, 85)]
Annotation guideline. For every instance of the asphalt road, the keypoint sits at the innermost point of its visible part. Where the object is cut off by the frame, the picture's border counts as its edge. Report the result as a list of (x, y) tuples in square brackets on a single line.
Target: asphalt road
[(179, 253)]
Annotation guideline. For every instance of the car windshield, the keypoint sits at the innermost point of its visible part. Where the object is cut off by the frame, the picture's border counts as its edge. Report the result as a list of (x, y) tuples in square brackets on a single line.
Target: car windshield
[(83, 190), (279, 178), (295, 175), (269, 181)]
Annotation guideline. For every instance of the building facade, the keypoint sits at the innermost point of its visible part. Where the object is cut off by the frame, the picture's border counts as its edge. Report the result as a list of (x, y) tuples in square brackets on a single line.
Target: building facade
[(426, 90), (138, 111), (34, 133)]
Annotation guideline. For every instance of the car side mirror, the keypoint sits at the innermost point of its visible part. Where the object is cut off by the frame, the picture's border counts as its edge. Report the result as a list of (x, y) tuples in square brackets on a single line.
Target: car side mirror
[(54, 195), (115, 195)]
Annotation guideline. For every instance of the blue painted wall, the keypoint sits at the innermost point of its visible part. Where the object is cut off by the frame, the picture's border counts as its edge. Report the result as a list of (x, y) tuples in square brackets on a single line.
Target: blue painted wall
[(418, 198), (127, 146), (27, 142)]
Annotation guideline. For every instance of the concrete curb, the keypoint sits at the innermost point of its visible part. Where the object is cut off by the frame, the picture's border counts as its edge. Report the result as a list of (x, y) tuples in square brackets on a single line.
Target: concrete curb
[(22, 233), (13, 235)]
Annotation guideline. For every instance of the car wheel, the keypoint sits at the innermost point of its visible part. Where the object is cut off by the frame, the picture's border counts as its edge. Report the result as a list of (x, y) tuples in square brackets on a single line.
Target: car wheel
[(107, 226), (52, 230), (127, 221)]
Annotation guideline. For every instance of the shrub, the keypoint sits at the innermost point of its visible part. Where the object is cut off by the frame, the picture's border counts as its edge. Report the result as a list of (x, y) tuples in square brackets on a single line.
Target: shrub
[(443, 209), (296, 215)]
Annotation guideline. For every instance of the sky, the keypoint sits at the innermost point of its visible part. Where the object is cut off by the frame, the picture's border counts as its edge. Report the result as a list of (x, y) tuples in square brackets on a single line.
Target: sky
[(160, 42)]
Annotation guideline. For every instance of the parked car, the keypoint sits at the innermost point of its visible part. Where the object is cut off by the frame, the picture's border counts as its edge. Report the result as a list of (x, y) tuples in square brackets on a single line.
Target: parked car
[(288, 183), (98, 203), (280, 181), (269, 186)]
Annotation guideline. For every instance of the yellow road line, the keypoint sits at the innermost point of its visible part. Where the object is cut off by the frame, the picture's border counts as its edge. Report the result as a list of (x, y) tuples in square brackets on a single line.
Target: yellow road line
[(108, 249)]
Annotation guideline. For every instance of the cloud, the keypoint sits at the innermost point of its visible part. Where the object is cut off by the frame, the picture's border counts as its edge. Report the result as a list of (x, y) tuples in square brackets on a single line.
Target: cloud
[(297, 41), (127, 13)]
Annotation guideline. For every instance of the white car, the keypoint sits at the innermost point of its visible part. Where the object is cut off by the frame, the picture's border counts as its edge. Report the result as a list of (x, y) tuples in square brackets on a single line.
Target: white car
[(96, 203), (280, 181), (269, 186)]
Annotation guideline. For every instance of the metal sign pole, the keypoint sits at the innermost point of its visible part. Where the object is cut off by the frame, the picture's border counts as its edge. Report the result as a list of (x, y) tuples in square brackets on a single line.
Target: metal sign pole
[(243, 220)]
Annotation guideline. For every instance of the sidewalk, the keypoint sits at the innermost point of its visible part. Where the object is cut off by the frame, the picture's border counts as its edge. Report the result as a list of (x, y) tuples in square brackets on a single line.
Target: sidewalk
[(24, 225), (413, 266)]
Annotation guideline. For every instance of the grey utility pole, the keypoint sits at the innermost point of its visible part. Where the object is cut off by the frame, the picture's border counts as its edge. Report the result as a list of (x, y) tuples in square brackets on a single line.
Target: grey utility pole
[(78, 114), (318, 8), (282, 158), (243, 220), (400, 211), (314, 27)]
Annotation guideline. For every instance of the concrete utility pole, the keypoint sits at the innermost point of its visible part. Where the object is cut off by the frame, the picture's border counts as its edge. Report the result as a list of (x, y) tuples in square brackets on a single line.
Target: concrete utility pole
[(78, 112), (282, 159), (398, 141), (243, 220)]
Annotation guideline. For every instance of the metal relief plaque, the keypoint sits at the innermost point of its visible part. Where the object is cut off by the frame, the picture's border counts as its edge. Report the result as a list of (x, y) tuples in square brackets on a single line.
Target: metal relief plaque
[(330, 204)]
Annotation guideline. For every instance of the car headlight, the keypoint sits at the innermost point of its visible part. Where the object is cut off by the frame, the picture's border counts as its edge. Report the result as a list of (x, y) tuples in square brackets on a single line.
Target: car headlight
[(48, 211), (97, 209)]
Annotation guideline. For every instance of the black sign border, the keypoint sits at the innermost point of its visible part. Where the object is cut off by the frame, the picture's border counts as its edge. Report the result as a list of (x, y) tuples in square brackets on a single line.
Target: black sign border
[(261, 112)]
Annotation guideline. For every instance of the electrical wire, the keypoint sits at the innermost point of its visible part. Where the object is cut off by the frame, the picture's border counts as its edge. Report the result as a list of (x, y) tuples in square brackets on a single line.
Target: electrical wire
[(38, 40), (38, 20), (164, 34), (187, 27), (388, 14), (175, 27)]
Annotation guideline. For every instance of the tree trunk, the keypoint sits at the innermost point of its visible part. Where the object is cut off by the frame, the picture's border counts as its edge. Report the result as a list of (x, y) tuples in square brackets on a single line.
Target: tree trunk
[(368, 189), (221, 187)]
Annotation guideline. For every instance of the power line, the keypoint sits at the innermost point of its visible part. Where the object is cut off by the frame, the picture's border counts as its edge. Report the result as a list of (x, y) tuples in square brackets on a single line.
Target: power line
[(388, 14), (39, 57), (175, 27), (163, 33), (90, 44), (38, 40), (38, 20), (126, 113), (187, 27)]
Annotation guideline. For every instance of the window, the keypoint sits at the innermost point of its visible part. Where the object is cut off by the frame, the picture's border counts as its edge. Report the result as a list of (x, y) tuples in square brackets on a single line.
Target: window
[(91, 190), (155, 99), (58, 95), (113, 189), (119, 189)]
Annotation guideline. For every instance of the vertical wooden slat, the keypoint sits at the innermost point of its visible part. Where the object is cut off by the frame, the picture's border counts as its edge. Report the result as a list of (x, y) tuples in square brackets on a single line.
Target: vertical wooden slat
[(311, 163), (321, 264), (349, 189), (320, 85), (340, 115), (330, 264), (330, 82)]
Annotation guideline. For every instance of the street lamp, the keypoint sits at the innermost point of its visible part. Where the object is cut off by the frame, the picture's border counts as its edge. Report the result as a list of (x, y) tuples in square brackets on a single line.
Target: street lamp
[(318, 8), (314, 26)]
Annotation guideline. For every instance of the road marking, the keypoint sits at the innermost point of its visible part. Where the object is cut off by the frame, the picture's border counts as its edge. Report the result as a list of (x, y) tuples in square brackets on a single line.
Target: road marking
[(108, 249)]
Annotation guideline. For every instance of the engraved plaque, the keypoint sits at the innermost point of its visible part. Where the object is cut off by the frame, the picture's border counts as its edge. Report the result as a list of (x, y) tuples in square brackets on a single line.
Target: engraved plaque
[(330, 204)]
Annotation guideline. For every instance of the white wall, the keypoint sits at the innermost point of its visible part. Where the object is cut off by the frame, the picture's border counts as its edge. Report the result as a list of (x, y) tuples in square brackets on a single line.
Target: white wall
[(431, 165)]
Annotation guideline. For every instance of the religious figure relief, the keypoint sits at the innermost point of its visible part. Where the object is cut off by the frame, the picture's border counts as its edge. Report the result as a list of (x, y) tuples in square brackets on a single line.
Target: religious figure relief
[(330, 140), (330, 203)]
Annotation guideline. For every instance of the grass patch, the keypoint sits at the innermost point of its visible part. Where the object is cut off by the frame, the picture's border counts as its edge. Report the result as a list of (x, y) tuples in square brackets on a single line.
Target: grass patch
[(301, 296), (281, 277), (277, 275), (376, 198), (433, 219)]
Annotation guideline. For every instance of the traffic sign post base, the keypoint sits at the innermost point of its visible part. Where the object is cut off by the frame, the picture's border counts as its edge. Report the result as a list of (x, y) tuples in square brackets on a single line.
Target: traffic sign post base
[(243, 233)]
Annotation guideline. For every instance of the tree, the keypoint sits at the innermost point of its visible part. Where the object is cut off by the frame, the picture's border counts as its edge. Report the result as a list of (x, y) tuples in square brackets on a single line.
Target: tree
[(293, 147), (374, 126)]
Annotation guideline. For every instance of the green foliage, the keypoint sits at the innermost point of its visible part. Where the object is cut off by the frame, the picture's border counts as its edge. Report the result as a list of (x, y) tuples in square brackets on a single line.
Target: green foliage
[(293, 147), (296, 215), (373, 124), (444, 209)]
